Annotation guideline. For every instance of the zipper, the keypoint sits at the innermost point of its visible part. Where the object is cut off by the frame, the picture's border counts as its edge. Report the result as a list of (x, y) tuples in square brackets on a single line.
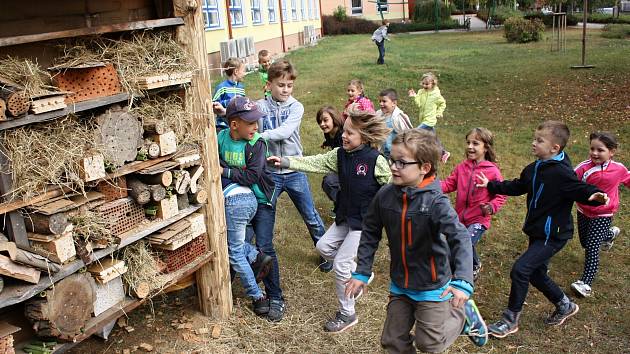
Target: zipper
[(433, 271), (538, 193), (403, 217), (547, 228), (469, 192)]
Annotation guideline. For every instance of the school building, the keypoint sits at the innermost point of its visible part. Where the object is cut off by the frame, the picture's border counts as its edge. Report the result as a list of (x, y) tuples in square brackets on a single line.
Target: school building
[(393, 10)]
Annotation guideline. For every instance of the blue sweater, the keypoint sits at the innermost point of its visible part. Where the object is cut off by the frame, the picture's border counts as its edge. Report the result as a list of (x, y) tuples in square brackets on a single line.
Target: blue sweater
[(223, 93)]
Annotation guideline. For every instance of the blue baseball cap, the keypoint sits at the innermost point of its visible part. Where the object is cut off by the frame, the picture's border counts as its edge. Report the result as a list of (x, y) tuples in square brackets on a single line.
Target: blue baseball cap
[(243, 108)]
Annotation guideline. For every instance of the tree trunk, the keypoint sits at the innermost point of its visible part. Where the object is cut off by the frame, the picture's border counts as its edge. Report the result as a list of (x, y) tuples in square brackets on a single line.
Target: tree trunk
[(55, 224), (158, 192), (139, 191)]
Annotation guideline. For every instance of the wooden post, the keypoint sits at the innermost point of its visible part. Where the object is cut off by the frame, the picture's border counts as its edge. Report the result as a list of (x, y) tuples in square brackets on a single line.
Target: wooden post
[(213, 279), (15, 223)]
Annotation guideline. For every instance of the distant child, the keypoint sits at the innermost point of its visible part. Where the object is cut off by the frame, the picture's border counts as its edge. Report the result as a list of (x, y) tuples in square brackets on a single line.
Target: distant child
[(331, 124), (264, 61), (430, 252), (356, 99), (280, 127), (379, 36), (362, 171), (551, 187), (431, 105), (475, 206), (232, 87), (594, 222), (246, 184), (395, 118)]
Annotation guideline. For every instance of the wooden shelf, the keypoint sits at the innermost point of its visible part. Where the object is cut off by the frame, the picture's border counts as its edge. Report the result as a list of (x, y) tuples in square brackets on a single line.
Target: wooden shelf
[(86, 31), (16, 293), (74, 108)]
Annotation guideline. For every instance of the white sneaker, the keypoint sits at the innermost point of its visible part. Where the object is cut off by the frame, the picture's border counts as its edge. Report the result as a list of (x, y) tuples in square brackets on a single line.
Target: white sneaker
[(607, 245), (582, 289), (357, 296)]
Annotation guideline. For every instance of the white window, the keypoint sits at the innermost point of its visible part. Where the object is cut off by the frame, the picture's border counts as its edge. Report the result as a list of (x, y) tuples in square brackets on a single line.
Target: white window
[(236, 12), (211, 14), (303, 9), (294, 16), (357, 7), (316, 7), (285, 14), (382, 5), (271, 7), (310, 8), (256, 13)]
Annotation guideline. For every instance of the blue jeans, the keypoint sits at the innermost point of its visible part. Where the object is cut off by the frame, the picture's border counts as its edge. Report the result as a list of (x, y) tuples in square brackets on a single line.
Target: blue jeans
[(239, 211), (475, 231), (381, 51)]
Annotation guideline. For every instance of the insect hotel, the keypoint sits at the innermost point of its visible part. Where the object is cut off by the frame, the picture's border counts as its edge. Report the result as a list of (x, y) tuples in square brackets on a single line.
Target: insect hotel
[(107, 159)]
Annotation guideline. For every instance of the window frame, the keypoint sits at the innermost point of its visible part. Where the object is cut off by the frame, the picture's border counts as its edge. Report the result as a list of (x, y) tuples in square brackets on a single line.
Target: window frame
[(294, 14), (384, 7), (272, 10), (237, 9), (356, 10), (285, 10), (207, 9), (256, 10)]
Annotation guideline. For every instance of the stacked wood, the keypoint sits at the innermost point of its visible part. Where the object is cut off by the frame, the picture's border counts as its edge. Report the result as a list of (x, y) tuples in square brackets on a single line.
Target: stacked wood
[(65, 310), (57, 248), (158, 192), (155, 126), (92, 168), (167, 142), (17, 100), (11, 269), (164, 178), (167, 207), (119, 135), (201, 197), (27, 258), (3, 108), (195, 173), (173, 236), (138, 191), (107, 269), (182, 181), (55, 224), (6, 337)]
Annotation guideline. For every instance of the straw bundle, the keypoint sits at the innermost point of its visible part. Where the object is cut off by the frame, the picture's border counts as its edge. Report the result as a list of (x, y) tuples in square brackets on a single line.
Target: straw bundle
[(143, 268), (170, 110), (92, 227), (28, 74)]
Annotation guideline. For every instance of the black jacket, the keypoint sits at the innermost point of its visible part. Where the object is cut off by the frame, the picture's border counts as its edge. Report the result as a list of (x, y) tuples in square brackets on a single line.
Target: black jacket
[(551, 188), (428, 245), (255, 172)]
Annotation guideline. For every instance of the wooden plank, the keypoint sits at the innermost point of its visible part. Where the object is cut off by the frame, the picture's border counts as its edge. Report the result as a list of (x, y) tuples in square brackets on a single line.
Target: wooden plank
[(135, 167), (15, 227), (74, 108), (119, 27), (159, 168), (10, 269), (13, 294), (55, 207), (6, 329)]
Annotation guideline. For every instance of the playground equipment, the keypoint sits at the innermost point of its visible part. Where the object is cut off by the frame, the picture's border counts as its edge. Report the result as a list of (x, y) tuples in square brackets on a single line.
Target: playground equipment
[(559, 30)]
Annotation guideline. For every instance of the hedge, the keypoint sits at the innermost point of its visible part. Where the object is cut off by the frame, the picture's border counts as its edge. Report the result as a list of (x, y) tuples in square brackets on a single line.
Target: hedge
[(424, 12), (502, 13), (518, 29), (572, 20), (351, 25), (415, 26), (618, 31)]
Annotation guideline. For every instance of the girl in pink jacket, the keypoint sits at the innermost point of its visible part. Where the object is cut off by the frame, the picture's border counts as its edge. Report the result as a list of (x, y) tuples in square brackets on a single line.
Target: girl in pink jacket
[(356, 99), (594, 222), (473, 205)]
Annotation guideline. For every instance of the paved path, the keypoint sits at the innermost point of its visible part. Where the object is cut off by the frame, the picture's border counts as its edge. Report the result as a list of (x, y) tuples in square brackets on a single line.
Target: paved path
[(590, 25), (475, 23)]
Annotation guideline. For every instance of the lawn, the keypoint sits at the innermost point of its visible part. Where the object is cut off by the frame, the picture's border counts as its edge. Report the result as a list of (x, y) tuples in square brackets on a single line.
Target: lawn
[(507, 88)]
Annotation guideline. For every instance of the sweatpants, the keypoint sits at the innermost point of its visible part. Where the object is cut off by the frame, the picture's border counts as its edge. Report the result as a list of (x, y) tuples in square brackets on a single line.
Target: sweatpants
[(592, 232), (438, 324), (339, 245)]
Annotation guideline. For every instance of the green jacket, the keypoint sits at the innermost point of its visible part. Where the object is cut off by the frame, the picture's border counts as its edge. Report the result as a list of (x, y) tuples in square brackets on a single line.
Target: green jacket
[(431, 105)]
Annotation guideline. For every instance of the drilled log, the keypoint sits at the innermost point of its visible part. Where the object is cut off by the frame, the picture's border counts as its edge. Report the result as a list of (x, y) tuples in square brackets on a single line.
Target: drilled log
[(158, 192), (141, 290), (182, 181), (3, 108), (119, 135), (55, 224), (155, 126), (201, 197), (165, 178), (17, 101), (139, 191)]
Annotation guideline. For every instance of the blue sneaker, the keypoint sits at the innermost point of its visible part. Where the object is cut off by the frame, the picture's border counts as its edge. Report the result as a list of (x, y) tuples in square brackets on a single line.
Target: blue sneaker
[(475, 328)]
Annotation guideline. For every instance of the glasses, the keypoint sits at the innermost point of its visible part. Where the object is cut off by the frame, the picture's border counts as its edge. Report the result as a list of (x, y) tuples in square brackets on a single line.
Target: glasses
[(400, 164)]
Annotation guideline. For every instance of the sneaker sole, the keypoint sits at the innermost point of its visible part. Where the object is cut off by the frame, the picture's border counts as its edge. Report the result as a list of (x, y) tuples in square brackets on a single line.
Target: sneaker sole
[(579, 293), (577, 308), (350, 325), (484, 326), (496, 335)]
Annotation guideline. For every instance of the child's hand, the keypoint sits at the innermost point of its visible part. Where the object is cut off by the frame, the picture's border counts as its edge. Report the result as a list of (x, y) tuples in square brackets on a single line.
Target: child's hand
[(275, 160), (353, 287), (412, 93), (487, 209), (218, 109), (600, 197), (459, 297), (483, 180)]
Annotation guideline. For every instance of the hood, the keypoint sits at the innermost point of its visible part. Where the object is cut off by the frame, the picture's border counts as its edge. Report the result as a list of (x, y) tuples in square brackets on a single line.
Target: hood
[(274, 103)]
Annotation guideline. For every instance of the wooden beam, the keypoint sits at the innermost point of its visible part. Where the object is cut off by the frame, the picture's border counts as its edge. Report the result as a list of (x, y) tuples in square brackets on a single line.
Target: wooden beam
[(213, 279), (87, 31), (15, 223)]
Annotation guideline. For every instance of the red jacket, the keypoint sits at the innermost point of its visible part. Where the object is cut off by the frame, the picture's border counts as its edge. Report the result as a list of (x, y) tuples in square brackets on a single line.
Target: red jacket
[(607, 177), (362, 103), (470, 198)]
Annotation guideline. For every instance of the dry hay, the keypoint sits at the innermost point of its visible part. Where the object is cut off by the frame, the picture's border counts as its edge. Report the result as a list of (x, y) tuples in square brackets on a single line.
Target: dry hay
[(47, 154), (169, 109), (92, 227), (142, 267), (27, 74)]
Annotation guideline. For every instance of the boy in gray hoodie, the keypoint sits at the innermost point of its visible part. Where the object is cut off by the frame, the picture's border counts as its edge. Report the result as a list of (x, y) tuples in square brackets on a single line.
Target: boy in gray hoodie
[(281, 128)]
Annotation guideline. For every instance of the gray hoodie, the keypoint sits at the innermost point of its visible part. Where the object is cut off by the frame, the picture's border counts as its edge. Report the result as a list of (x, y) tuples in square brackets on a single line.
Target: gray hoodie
[(281, 127)]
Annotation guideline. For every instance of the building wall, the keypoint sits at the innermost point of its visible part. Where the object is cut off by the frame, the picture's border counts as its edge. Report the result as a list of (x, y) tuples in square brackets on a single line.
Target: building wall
[(367, 10)]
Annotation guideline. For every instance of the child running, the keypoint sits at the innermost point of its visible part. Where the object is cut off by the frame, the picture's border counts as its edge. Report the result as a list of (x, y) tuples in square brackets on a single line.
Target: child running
[(232, 87), (430, 252), (475, 206), (356, 99), (362, 171), (395, 118), (431, 104), (246, 184), (594, 222), (264, 62), (331, 124), (551, 187)]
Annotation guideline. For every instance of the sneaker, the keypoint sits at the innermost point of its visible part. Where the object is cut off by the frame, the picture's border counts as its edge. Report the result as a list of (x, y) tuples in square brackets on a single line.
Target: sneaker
[(276, 310), (357, 296), (506, 325), (325, 265), (607, 244), (475, 327), (340, 323), (562, 313), (445, 156), (261, 266), (476, 271), (582, 289), (261, 306)]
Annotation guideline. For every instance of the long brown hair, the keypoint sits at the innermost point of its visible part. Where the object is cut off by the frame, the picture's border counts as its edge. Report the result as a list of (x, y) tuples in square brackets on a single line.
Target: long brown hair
[(487, 138), (334, 115), (373, 129)]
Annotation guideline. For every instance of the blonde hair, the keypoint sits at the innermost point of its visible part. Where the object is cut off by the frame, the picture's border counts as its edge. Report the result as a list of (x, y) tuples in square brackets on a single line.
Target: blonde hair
[(431, 77), (373, 129), (231, 65), (358, 84), (487, 138), (423, 145)]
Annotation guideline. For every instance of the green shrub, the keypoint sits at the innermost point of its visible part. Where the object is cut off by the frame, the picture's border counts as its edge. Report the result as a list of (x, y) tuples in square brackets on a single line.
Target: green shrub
[(424, 12), (351, 25), (604, 18), (502, 13), (340, 13), (572, 20), (619, 31), (417, 26), (520, 30)]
